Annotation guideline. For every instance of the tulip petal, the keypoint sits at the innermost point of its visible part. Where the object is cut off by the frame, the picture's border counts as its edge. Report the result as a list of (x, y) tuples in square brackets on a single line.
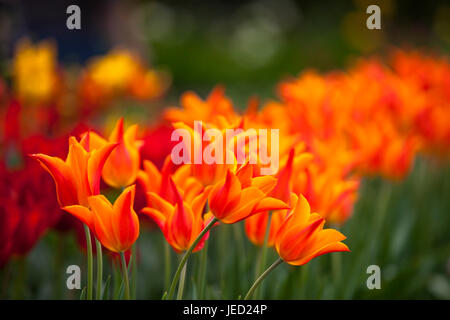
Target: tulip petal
[(81, 213), (268, 204), (332, 247), (301, 212), (265, 183), (248, 200), (159, 203), (158, 217), (225, 196), (127, 220), (62, 175), (95, 166)]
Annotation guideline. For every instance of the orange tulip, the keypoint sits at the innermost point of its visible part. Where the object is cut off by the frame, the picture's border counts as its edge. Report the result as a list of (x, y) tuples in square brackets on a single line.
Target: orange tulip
[(216, 108), (256, 227), (122, 166), (158, 182), (301, 236), (182, 222), (115, 226), (240, 196), (207, 174), (78, 177), (120, 73)]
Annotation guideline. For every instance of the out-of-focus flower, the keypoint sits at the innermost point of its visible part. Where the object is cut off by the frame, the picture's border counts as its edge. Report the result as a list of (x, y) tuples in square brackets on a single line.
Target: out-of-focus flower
[(149, 84), (115, 70), (78, 177), (256, 225), (426, 86), (158, 182), (240, 196), (115, 226), (26, 211), (35, 72), (182, 221), (121, 167), (207, 173), (120, 72), (157, 144), (214, 110), (383, 151), (301, 236), (327, 191)]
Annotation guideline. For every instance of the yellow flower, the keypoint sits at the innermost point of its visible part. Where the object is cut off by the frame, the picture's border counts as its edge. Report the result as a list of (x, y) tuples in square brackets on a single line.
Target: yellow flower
[(34, 70)]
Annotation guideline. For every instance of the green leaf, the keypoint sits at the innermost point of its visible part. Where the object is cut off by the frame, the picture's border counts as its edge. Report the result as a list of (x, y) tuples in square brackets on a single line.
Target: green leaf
[(83, 294), (105, 294)]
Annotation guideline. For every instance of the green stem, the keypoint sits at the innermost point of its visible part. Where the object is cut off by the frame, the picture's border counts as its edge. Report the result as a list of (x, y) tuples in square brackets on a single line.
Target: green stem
[(125, 276), (116, 268), (202, 271), (89, 262), (19, 283), (98, 246), (181, 283), (167, 264), (336, 267), (186, 256), (261, 278), (262, 262), (303, 280), (133, 271)]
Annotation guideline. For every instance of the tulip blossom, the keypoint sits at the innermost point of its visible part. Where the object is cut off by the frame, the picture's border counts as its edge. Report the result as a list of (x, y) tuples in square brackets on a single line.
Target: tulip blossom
[(240, 196), (78, 177), (156, 144), (181, 222), (158, 182), (116, 225), (301, 236), (120, 72), (122, 166), (192, 149), (214, 109), (256, 225)]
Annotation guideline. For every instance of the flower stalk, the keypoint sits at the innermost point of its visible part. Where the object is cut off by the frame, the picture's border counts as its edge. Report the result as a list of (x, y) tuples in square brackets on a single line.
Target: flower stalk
[(125, 276), (258, 281), (186, 256), (181, 283), (89, 262), (263, 251), (99, 270), (202, 271)]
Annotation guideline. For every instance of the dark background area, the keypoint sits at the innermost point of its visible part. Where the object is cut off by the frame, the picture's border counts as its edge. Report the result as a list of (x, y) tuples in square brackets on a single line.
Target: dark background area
[(247, 46)]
